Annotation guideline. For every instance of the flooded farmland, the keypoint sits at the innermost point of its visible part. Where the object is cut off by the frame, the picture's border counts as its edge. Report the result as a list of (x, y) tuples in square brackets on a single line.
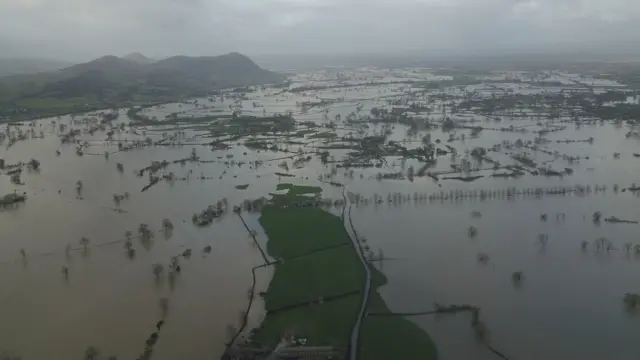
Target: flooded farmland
[(462, 182)]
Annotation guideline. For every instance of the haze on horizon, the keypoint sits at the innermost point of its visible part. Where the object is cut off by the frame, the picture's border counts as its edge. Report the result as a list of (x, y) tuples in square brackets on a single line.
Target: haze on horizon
[(80, 30)]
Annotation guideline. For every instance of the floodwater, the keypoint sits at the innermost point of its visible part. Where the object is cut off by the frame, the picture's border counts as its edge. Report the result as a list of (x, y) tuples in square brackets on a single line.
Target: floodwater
[(568, 306), (110, 301)]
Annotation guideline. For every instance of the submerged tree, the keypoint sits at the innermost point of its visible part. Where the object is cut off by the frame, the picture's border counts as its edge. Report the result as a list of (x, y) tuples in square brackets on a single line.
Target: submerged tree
[(603, 243), (164, 306), (597, 216), (158, 269), (631, 300), (34, 164), (543, 239), (91, 353), (517, 278), (84, 242), (584, 244), (144, 232), (65, 272), (167, 225), (472, 231), (79, 186)]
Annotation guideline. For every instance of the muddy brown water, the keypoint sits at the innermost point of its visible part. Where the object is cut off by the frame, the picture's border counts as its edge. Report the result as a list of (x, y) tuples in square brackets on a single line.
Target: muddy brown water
[(110, 301), (569, 305)]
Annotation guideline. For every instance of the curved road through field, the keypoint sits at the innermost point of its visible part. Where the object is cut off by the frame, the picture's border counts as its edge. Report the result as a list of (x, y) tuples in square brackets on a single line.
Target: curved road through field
[(348, 226)]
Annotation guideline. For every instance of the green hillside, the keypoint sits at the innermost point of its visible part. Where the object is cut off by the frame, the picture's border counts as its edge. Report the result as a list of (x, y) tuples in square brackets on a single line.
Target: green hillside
[(115, 82)]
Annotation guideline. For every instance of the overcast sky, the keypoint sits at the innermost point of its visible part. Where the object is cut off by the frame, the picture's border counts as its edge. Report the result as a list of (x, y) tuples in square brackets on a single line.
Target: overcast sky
[(85, 29)]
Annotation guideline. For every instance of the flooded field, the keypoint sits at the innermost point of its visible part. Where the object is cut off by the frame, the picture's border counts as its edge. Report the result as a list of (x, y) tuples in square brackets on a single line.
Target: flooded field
[(499, 191)]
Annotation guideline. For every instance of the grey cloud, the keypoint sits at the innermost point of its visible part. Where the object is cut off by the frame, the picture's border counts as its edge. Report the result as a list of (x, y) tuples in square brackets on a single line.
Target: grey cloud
[(84, 29)]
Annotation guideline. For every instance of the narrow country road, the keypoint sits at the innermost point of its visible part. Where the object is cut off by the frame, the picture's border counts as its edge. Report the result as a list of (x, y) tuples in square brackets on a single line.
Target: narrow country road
[(348, 226)]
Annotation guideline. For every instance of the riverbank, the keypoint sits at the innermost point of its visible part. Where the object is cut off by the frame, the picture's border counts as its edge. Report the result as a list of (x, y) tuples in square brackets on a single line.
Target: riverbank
[(330, 282)]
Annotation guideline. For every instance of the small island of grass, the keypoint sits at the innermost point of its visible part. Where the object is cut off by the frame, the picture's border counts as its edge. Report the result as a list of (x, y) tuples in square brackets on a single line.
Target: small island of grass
[(316, 290)]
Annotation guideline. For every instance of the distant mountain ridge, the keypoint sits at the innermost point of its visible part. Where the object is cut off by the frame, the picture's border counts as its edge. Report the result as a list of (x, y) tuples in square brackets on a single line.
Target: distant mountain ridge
[(111, 81), (138, 58), (20, 66)]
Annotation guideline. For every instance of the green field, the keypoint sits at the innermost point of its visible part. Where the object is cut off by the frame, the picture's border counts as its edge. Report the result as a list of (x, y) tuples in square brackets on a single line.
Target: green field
[(294, 231)]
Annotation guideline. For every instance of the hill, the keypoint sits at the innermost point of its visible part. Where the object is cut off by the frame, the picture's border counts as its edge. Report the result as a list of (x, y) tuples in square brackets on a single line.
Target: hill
[(16, 66), (111, 81), (138, 58)]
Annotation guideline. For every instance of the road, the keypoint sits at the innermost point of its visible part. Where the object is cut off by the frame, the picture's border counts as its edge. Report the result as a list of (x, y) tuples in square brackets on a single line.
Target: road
[(274, 354), (348, 225)]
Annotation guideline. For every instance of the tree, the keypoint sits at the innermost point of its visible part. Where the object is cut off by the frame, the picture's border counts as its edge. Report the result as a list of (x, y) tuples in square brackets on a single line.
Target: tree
[(164, 306), (91, 353), (517, 277), (34, 164), (631, 300), (167, 224), (603, 243), (79, 186), (158, 269), (84, 242), (542, 239), (597, 216), (472, 231), (483, 258)]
